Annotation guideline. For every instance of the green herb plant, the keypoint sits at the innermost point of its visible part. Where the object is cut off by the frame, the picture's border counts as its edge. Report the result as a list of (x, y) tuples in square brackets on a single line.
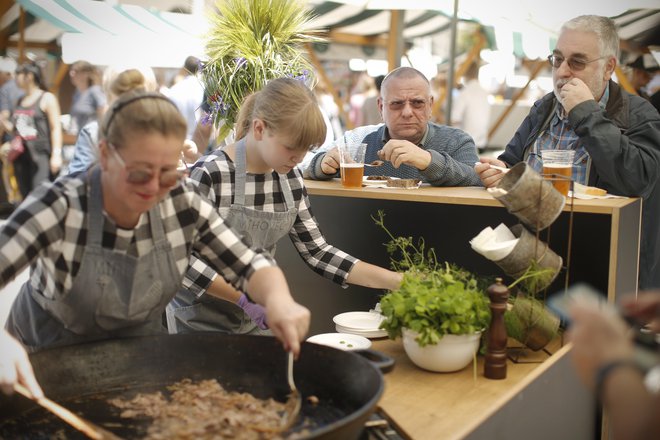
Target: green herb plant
[(434, 299)]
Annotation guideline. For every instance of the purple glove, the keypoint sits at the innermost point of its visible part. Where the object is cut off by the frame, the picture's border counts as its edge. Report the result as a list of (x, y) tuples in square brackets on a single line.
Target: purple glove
[(256, 312)]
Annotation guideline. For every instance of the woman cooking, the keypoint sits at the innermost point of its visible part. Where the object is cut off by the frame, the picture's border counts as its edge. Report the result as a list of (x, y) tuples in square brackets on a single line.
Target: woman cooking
[(256, 186), (109, 248)]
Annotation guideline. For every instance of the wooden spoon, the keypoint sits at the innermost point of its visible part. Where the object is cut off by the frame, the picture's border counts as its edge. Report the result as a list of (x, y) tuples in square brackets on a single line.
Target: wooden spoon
[(291, 407), (294, 402), (85, 426)]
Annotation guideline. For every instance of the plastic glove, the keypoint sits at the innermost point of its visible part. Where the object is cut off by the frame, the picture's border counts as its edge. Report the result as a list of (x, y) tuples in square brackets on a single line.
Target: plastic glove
[(256, 312)]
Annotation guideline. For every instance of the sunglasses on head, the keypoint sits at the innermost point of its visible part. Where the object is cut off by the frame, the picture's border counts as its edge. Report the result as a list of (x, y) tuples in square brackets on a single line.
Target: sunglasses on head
[(575, 64), (141, 175)]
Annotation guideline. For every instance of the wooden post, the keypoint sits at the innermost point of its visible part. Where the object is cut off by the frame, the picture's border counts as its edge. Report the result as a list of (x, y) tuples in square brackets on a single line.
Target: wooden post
[(537, 69), (62, 72), (473, 56), (623, 81), (331, 88), (395, 39), (21, 36), (495, 364)]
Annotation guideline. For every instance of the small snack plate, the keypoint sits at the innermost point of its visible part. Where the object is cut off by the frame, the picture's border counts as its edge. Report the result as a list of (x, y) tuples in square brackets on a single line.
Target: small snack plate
[(341, 341), (372, 182)]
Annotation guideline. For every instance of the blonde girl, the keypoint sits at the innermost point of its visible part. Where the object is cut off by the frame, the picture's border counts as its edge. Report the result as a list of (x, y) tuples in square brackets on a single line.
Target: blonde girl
[(256, 186)]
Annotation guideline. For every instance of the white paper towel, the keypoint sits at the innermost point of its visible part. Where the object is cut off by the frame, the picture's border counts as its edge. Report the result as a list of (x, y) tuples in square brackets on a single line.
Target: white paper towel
[(494, 244)]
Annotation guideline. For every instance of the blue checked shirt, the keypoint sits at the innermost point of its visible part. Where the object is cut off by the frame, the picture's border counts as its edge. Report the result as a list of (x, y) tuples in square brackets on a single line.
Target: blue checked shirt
[(560, 136)]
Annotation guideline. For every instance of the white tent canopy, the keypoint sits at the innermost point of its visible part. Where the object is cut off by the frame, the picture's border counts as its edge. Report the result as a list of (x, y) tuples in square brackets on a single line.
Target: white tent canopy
[(103, 33), (106, 31), (526, 29)]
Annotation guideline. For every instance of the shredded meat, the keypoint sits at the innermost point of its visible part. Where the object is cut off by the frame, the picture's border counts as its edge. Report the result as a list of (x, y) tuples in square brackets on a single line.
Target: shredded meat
[(204, 410)]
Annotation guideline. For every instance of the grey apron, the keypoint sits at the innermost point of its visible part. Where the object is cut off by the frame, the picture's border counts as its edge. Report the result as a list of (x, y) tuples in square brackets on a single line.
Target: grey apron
[(113, 294), (187, 312)]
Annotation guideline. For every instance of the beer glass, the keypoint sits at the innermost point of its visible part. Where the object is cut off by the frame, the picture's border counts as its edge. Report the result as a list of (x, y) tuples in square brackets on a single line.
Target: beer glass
[(351, 157), (558, 168)]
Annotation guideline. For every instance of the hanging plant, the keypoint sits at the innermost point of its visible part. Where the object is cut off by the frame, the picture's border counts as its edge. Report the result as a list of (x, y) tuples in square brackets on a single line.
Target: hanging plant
[(250, 43)]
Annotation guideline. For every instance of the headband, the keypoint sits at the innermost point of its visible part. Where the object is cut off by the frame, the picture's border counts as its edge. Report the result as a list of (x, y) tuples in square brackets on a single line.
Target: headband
[(120, 104)]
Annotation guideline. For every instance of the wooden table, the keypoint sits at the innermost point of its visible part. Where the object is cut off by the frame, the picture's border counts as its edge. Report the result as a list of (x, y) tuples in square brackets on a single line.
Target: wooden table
[(536, 400), (604, 252), (623, 215)]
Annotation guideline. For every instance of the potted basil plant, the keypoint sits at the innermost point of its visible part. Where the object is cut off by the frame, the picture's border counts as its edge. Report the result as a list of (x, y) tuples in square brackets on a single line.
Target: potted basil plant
[(439, 310)]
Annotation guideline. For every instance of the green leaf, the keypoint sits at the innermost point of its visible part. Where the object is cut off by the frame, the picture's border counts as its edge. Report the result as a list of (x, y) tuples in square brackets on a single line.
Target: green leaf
[(434, 298)]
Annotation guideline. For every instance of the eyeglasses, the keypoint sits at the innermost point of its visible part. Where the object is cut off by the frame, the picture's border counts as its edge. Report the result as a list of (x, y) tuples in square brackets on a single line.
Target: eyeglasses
[(142, 175), (575, 64), (416, 104)]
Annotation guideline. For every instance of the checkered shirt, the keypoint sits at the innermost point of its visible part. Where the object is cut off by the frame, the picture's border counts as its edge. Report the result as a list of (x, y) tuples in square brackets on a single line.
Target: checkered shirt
[(49, 231), (215, 176)]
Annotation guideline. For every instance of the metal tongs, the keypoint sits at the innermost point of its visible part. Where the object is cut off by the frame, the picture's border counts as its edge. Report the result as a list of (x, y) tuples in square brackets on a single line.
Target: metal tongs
[(85, 426)]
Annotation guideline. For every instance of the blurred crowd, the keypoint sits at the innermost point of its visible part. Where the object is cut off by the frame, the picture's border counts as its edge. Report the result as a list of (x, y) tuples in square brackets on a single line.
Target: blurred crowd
[(45, 135), (55, 123)]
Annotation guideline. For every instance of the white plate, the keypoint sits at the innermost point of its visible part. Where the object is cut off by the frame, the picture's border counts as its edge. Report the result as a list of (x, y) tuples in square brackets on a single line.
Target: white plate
[(342, 341), (371, 334), (363, 321), (368, 182)]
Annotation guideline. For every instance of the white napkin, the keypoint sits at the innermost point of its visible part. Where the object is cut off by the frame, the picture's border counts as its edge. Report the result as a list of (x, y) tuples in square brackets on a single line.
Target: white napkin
[(494, 244), (590, 197)]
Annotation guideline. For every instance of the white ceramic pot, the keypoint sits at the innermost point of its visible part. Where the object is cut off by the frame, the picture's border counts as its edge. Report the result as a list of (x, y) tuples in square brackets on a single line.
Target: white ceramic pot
[(451, 353)]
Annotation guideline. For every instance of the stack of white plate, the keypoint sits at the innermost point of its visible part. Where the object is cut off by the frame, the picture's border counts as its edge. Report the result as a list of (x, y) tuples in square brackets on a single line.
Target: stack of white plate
[(360, 323)]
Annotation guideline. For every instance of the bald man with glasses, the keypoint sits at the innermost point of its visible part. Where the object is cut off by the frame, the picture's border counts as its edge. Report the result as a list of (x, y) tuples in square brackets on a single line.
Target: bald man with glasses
[(411, 145), (615, 135)]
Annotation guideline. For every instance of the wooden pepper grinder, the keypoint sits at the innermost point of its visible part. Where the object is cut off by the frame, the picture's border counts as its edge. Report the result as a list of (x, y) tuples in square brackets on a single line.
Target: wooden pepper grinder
[(495, 364)]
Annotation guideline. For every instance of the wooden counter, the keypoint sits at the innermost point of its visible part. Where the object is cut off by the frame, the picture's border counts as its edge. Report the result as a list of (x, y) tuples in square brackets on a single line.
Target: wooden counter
[(536, 400), (620, 241), (604, 252), (604, 248), (474, 196)]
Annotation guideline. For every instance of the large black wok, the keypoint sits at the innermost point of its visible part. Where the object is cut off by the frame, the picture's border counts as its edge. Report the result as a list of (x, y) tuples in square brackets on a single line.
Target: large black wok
[(82, 378)]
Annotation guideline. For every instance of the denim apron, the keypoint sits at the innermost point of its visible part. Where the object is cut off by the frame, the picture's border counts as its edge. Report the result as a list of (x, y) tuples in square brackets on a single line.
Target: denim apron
[(187, 312), (113, 294)]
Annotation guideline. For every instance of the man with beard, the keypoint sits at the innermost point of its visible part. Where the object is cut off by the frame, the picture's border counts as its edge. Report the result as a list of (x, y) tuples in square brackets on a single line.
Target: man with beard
[(615, 135)]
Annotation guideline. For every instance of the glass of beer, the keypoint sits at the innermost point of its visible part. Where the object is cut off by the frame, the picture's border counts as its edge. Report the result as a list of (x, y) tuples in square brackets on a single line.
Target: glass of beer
[(558, 168), (351, 157)]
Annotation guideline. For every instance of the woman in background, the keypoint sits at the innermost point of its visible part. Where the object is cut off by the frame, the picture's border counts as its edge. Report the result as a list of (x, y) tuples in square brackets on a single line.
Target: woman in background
[(36, 120), (116, 82), (89, 101)]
